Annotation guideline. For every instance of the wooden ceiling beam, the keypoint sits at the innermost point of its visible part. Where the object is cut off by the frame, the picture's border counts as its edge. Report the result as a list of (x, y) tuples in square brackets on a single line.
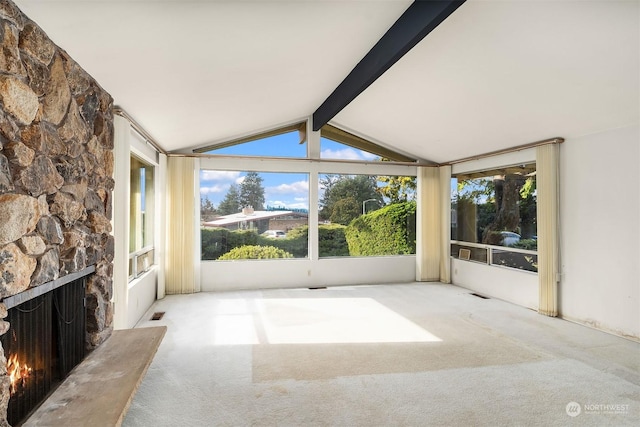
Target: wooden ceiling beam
[(414, 24)]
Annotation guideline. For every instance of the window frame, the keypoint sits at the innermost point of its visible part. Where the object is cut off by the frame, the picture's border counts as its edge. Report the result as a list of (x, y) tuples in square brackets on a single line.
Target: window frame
[(313, 167), (491, 167), (141, 260)]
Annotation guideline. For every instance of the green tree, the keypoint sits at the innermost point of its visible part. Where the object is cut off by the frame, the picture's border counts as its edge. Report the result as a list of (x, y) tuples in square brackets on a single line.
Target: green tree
[(252, 192), (231, 202), (485, 214), (475, 208), (500, 203), (398, 189), (476, 189), (344, 211), (528, 210), (357, 187), (326, 184), (207, 209), (507, 197)]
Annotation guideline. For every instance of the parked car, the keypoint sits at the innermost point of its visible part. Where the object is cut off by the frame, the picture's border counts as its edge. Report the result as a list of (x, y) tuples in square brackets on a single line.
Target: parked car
[(509, 238), (274, 234)]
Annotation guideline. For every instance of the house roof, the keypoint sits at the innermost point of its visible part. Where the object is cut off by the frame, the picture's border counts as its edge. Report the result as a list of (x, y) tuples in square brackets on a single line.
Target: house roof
[(493, 75), (241, 217)]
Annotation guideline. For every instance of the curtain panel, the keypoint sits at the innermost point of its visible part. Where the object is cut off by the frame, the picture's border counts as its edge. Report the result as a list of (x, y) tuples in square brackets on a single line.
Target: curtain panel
[(547, 164), (445, 223), (428, 225), (182, 262)]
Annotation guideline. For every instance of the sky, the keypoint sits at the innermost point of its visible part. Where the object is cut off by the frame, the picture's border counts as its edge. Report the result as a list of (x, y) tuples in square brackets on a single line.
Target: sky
[(285, 190)]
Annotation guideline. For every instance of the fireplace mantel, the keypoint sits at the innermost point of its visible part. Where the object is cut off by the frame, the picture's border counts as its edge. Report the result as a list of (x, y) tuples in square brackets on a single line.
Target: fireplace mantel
[(31, 293)]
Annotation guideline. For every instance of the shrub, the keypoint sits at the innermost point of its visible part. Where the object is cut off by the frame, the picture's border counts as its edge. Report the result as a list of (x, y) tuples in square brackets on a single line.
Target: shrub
[(295, 243), (215, 242), (255, 252), (529, 244), (386, 231), (332, 240)]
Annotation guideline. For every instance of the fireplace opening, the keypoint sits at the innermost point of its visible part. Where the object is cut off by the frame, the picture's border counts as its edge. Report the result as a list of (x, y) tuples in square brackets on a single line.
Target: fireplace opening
[(46, 340)]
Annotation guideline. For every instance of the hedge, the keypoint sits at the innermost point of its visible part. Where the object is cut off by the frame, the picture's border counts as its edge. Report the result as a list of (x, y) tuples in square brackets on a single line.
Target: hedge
[(216, 242), (255, 252), (332, 240), (386, 231)]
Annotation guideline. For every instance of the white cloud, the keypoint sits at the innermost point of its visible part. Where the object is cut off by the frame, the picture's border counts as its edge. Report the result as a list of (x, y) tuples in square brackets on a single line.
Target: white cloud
[(213, 189), (368, 156), (207, 175), (292, 188), (347, 154), (240, 180)]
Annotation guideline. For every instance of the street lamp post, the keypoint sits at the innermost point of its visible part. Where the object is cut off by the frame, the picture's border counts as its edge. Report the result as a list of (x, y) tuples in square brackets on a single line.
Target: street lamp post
[(365, 202)]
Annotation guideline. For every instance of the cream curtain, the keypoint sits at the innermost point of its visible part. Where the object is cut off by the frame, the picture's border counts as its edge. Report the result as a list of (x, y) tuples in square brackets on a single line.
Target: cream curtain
[(428, 225), (135, 210), (182, 261), (445, 223), (547, 186)]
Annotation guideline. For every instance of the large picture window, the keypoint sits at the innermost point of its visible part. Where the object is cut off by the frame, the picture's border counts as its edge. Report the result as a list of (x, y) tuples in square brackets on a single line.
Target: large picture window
[(359, 205), (493, 217), (251, 215)]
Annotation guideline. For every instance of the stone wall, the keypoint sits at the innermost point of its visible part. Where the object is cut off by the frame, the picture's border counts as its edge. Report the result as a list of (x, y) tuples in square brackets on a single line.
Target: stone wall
[(56, 167)]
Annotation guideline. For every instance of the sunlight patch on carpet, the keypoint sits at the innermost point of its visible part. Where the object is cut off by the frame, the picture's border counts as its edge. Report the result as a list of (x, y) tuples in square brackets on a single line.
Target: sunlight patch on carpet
[(336, 321)]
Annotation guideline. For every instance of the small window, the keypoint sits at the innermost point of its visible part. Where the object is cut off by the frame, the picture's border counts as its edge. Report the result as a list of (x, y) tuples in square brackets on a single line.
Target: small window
[(141, 217), (336, 151), (289, 141), (338, 144)]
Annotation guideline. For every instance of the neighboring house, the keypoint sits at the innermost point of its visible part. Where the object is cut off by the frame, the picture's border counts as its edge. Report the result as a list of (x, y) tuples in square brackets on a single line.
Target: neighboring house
[(260, 221)]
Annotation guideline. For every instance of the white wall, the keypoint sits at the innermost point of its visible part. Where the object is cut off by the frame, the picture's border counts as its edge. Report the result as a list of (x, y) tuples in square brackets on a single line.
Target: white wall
[(132, 299), (141, 295), (509, 284), (300, 273), (120, 221), (600, 232)]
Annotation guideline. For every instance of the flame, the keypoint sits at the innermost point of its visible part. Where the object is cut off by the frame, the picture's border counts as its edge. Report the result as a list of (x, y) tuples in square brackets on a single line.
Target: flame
[(17, 372)]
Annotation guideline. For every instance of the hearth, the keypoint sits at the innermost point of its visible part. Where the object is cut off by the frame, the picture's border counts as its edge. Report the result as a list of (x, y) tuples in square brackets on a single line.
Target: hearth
[(46, 340)]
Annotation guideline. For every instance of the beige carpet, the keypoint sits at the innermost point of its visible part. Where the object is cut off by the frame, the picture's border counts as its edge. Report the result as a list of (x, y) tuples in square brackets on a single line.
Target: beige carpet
[(464, 345), (410, 354)]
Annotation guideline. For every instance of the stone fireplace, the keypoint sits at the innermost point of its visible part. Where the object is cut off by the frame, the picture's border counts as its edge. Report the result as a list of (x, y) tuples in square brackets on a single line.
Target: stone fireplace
[(46, 339), (56, 167)]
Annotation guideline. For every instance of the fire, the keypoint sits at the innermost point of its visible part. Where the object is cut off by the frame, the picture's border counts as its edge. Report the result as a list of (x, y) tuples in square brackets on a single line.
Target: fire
[(17, 372)]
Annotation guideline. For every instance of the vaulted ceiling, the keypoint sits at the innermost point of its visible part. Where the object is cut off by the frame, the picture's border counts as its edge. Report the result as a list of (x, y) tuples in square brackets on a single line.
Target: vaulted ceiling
[(495, 74)]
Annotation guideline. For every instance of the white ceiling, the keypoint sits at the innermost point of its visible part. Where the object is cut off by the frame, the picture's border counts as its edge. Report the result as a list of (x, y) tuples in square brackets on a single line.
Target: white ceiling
[(495, 74)]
